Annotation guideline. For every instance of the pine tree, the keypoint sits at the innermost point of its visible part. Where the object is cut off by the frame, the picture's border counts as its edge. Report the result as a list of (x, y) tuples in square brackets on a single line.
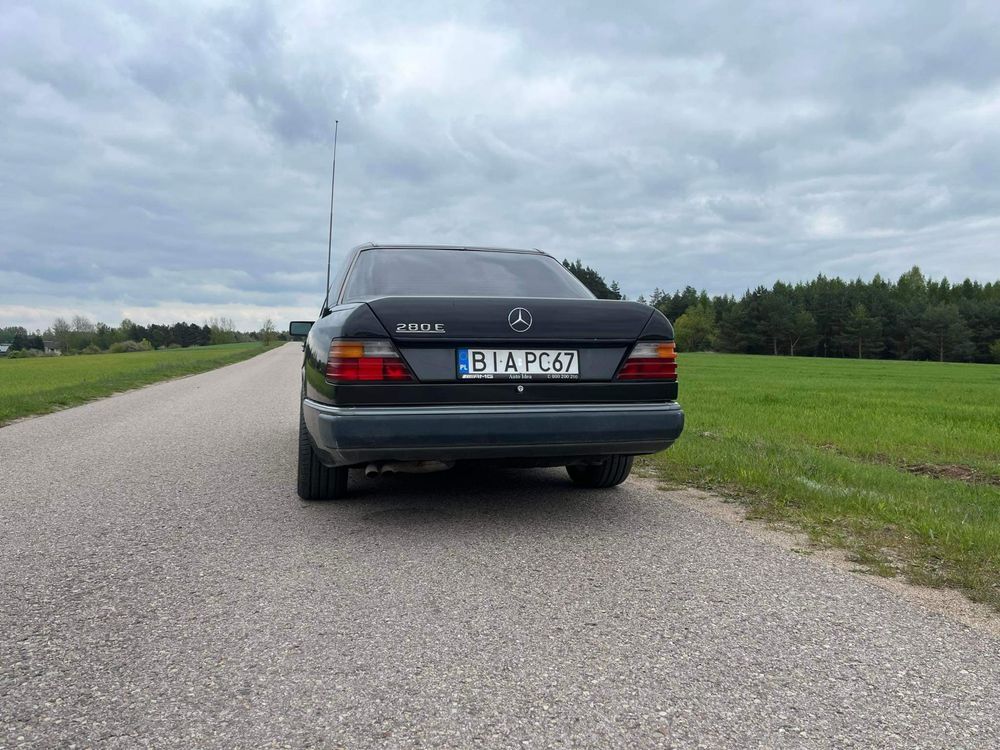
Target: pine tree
[(942, 333), (802, 331), (863, 333)]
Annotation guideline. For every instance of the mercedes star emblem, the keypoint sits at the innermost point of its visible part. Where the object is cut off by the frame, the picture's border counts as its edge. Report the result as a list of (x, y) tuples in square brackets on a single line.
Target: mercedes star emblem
[(519, 319)]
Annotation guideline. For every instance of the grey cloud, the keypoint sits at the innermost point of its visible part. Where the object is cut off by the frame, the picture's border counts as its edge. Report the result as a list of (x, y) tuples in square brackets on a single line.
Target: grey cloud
[(176, 156)]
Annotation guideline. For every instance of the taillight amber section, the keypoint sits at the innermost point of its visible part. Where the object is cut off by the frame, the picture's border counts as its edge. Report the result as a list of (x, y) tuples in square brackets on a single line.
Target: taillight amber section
[(650, 360), (347, 350), (369, 361)]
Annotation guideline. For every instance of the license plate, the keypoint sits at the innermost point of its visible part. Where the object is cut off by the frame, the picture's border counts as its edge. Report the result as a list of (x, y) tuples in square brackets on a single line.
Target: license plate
[(518, 364)]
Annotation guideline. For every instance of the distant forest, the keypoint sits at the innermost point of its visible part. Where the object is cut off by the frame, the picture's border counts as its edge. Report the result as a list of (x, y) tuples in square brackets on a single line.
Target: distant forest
[(914, 317), (82, 336)]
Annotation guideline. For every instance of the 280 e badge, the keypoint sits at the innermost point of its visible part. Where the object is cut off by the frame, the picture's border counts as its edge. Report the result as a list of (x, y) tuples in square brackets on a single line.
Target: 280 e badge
[(420, 328)]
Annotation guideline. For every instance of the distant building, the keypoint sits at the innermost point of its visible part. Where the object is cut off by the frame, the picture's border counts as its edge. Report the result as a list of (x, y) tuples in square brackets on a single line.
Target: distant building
[(4, 348), (51, 347)]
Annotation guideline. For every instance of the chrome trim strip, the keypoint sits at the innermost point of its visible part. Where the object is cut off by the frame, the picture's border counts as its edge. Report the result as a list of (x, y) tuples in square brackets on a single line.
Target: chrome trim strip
[(471, 410)]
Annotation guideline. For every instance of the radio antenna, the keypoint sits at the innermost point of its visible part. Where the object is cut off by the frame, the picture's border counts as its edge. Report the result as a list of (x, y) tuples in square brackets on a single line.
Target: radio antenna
[(329, 239)]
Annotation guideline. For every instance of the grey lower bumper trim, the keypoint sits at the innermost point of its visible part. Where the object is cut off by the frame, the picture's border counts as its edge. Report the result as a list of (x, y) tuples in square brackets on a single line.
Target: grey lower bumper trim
[(349, 435)]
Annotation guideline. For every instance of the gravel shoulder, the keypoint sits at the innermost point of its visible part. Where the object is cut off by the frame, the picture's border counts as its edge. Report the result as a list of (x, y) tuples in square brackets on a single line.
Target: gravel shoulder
[(947, 602), (163, 587)]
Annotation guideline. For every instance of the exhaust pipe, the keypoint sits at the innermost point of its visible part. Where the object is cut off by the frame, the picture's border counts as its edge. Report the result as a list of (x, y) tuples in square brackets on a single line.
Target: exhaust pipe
[(406, 467)]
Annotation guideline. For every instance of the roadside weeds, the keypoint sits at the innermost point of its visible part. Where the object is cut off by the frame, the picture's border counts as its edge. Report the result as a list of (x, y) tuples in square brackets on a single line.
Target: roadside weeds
[(949, 603)]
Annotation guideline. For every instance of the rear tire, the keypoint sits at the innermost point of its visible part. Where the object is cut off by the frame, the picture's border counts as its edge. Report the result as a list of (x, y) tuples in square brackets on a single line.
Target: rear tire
[(609, 473), (316, 481)]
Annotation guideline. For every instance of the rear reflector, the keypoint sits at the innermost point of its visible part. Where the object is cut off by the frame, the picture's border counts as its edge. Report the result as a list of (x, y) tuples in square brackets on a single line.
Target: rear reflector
[(650, 360), (374, 360)]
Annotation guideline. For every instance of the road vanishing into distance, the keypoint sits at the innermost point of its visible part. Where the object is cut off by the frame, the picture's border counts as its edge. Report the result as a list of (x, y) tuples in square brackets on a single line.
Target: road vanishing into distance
[(162, 586)]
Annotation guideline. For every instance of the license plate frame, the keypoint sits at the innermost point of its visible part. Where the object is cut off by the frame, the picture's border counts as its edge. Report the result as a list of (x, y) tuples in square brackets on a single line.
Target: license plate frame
[(516, 364)]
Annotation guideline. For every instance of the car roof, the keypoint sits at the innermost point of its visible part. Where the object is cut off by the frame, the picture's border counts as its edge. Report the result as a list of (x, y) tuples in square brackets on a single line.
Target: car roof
[(467, 248)]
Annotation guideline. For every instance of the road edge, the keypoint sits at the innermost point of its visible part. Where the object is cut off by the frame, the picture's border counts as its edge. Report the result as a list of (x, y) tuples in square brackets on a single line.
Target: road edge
[(949, 603), (155, 383)]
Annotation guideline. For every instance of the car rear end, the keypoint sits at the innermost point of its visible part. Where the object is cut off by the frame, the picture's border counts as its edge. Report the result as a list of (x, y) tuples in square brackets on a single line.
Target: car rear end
[(405, 369)]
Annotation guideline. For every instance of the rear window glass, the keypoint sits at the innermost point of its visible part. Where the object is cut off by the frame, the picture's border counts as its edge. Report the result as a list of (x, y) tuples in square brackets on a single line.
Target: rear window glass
[(426, 272)]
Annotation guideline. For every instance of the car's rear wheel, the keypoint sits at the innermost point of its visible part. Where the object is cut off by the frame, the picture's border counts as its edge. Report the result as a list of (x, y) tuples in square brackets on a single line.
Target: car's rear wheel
[(614, 470), (316, 481)]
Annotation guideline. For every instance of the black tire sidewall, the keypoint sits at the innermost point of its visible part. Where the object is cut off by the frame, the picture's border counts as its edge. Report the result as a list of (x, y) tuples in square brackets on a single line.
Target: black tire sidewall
[(609, 473)]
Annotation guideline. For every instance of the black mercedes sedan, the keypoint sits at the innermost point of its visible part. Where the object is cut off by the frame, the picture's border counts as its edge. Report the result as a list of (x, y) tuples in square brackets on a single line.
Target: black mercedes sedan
[(425, 356)]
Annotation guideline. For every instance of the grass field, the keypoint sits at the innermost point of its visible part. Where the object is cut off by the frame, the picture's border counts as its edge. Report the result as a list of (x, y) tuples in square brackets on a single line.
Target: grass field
[(44, 384), (898, 462)]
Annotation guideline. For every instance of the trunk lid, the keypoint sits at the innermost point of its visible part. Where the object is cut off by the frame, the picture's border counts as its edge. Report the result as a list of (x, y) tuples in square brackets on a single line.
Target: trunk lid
[(474, 320), (430, 331)]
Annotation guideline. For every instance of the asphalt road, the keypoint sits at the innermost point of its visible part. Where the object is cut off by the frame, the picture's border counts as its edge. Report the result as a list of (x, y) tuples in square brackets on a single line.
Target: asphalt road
[(162, 586)]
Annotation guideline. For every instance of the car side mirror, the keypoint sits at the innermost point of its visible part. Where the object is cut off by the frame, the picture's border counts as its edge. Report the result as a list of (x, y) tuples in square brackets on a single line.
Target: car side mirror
[(299, 329)]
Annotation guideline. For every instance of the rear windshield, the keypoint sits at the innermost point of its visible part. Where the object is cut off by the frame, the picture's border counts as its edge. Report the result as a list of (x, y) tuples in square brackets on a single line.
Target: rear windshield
[(426, 272)]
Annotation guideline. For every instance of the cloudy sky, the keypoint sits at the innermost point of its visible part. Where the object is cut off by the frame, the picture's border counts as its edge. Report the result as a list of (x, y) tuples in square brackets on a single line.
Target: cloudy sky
[(168, 160)]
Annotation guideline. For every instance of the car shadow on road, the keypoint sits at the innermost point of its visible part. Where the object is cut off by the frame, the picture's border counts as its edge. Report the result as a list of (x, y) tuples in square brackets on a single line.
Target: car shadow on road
[(475, 493)]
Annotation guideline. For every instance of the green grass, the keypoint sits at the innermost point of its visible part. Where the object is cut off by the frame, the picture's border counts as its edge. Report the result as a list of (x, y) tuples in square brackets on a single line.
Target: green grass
[(843, 448), (44, 384)]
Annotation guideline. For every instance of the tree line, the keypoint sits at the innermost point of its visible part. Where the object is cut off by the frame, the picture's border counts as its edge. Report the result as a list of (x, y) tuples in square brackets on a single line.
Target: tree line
[(914, 317), (83, 336)]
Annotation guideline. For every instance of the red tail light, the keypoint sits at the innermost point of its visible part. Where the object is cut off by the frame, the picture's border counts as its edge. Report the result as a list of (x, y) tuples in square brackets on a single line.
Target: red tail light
[(650, 360), (367, 361)]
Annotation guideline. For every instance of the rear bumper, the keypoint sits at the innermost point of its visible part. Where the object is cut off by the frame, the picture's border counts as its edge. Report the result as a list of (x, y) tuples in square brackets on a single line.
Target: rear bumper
[(355, 435)]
